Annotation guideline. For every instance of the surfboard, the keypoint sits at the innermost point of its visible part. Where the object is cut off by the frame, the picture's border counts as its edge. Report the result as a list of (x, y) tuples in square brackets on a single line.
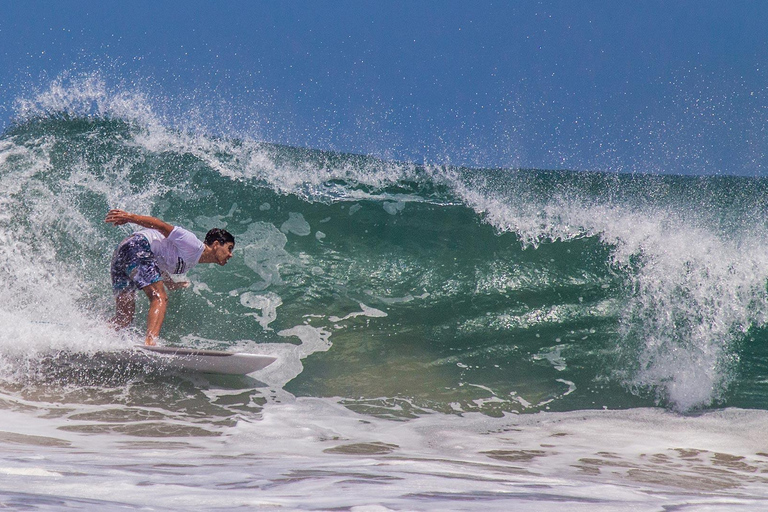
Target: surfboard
[(209, 361)]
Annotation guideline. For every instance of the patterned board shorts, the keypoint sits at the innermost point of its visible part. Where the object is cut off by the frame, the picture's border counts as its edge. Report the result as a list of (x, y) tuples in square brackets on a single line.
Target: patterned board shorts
[(133, 265)]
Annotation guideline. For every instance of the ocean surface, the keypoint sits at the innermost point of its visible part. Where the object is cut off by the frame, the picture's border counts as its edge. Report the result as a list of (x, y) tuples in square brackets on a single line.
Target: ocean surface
[(447, 338)]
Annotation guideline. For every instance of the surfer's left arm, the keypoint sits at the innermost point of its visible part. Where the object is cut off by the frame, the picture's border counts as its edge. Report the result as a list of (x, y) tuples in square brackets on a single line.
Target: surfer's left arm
[(120, 217)]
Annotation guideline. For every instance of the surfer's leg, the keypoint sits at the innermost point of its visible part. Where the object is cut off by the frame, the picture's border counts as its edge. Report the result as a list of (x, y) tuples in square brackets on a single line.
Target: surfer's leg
[(125, 306), (158, 301)]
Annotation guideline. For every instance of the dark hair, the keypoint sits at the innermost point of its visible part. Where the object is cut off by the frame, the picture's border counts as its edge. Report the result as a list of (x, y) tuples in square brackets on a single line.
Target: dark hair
[(219, 235)]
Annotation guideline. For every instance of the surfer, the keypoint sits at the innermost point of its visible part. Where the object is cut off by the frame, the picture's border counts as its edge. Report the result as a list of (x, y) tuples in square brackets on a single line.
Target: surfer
[(146, 259)]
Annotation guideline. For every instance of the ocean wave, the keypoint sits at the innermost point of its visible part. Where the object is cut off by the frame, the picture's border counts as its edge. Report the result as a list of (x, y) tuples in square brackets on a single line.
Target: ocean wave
[(645, 287)]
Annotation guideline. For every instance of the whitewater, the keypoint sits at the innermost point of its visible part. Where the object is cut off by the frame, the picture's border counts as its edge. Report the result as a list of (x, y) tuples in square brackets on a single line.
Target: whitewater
[(447, 338)]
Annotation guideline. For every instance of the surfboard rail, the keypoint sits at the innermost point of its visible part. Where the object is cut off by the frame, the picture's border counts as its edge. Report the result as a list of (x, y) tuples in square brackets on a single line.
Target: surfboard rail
[(208, 361)]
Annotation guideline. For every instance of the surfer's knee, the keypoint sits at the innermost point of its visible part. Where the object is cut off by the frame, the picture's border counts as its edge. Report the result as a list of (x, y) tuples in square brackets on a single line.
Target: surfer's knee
[(158, 300), (156, 293)]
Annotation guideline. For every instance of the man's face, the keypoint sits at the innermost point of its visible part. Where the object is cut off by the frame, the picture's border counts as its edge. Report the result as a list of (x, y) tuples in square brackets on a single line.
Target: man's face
[(222, 252)]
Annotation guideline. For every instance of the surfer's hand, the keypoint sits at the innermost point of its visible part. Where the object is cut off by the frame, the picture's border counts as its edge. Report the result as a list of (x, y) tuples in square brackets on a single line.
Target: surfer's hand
[(118, 217), (173, 285)]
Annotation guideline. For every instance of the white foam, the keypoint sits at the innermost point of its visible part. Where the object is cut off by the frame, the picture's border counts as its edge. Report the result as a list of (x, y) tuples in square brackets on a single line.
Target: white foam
[(289, 365), (33, 472), (267, 304), (365, 311), (263, 250), (393, 208), (296, 224), (553, 355)]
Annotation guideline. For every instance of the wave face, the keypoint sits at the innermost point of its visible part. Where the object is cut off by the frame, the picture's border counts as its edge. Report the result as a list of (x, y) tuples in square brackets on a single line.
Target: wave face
[(399, 288)]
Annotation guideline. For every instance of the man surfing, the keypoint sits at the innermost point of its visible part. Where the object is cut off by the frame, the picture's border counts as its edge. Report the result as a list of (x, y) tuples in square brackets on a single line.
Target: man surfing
[(146, 259)]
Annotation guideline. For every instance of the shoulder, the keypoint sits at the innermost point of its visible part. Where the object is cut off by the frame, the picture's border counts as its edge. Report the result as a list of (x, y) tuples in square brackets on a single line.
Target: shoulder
[(183, 237), (179, 232)]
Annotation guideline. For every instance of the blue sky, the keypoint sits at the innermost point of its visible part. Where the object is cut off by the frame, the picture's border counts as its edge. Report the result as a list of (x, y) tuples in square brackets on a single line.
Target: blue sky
[(646, 86)]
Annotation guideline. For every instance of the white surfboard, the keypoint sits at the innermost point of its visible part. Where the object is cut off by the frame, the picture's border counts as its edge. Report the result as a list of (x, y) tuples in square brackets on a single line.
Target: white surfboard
[(209, 361)]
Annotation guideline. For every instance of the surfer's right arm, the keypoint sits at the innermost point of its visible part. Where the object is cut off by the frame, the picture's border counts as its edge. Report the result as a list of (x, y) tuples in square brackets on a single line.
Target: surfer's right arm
[(120, 217)]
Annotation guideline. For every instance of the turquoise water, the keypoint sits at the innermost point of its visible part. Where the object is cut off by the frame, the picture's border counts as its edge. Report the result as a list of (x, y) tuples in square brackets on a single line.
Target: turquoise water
[(388, 290)]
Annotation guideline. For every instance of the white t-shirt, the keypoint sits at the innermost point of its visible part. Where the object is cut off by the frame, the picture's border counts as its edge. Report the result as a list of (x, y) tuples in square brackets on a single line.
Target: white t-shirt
[(176, 254)]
